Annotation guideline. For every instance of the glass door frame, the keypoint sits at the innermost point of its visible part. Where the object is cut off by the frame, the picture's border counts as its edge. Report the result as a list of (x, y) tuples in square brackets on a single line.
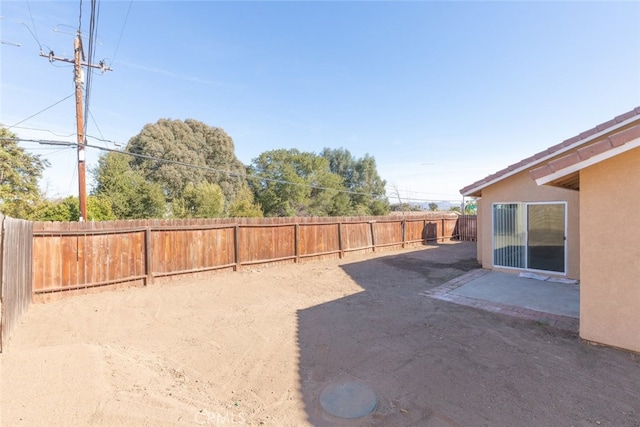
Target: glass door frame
[(525, 207)]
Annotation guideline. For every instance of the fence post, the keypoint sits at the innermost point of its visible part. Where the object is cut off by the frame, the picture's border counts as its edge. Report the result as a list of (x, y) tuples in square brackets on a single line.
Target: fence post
[(236, 250), (296, 243), (340, 248), (373, 236), (404, 232), (147, 257)]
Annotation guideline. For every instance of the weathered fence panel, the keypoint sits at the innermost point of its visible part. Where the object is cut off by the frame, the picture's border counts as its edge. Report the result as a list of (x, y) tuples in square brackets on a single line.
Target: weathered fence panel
[(74, 257), (190, 249), (318, 239), (263, 243), (466, 228), (16, 252), (356, 236), (417, 231), (388, 233)]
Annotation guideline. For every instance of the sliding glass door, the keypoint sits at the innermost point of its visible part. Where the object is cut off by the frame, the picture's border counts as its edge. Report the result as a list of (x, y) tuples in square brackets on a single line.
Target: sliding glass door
[(530, 236)]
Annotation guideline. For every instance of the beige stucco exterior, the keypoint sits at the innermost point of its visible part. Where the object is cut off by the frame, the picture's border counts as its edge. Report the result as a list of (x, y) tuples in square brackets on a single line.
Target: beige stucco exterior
[(610, 251), (521, 188)]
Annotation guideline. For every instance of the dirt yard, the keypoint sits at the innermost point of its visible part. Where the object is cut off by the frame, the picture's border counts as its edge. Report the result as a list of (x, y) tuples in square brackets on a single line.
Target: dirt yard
[(257, 347)]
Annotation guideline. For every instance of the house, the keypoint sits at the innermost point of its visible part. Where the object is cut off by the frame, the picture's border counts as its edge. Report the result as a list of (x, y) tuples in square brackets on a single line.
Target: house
[(573, 210)]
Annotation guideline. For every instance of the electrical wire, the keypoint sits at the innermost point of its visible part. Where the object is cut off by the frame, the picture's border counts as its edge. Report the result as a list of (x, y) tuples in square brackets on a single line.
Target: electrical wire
[(228, 173), (419, 192), (191, 165), (117, 144), (34, 25), (80, 18), (93, 29), (97, 127), (40, 130), (89, 74), (121, 32), (32, 35), (73, 180), (41, 111)]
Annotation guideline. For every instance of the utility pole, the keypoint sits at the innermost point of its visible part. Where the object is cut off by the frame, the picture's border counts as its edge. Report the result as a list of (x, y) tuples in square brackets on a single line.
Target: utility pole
[(78, 62)]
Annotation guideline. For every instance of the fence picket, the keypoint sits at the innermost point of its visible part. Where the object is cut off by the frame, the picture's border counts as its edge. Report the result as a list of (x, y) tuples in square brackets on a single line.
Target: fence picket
[(43, 260)]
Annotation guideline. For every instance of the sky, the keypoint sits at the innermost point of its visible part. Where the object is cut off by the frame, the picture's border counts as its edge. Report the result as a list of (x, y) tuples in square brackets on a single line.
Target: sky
[(442, 94)]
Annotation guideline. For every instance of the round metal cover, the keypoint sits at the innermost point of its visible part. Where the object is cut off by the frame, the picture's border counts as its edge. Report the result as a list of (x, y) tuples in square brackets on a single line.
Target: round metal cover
[(348, 400)]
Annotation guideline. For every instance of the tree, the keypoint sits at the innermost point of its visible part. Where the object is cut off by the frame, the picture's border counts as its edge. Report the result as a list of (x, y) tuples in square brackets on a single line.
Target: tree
[(50, 210), (360, 177), (433, 206), (68, 209), (204, 200), (471, 208), (191, 142), (295, 183), (19, 175), (128, 193), (244, 206)]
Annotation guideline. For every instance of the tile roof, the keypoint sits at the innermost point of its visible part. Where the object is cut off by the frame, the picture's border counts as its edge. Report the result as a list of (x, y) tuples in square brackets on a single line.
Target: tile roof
[(578, 159), (474, 190)]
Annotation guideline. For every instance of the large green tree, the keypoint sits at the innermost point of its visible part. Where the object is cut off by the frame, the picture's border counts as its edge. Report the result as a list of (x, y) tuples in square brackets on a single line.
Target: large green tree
[(19, 175), (128, 193), (367, 192), (208, 151), (295, 183)]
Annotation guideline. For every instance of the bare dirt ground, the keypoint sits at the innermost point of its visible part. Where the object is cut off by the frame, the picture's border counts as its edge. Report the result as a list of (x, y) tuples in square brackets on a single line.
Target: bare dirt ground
[(257, 347)]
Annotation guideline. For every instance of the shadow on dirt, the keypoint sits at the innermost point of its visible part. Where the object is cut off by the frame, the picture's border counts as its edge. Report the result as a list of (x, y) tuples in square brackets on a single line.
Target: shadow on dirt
[(432, 363)]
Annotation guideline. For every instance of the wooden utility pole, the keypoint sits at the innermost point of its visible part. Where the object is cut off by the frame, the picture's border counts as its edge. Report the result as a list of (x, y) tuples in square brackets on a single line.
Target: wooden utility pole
[(78, 78)]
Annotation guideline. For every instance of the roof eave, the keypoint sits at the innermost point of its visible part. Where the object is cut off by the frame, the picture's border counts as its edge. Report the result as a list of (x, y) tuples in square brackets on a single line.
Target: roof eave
[(570, 144), (561, 173)]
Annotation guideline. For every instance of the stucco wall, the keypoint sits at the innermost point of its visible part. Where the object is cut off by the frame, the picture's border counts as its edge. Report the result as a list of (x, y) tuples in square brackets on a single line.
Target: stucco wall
[(610, 251), (521, 188)]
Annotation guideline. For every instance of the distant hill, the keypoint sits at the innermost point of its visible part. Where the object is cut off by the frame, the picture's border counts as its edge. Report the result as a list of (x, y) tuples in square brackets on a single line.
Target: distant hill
[(442, 205)]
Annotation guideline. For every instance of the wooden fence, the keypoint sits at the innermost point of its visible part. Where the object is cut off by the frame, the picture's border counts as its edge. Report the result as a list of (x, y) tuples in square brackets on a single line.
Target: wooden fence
[(466, 228), (46, 260), (15, 273), (73, 258)]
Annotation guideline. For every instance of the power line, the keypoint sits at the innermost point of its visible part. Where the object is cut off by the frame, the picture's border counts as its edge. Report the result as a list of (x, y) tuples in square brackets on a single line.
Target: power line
[(126, 18), (34, 25), (40, 130), (93, 29), (229, 173), (191, 165), (32, 35), (41, 111), (80, 18), (97, 127), (418, 192), (117, 144)]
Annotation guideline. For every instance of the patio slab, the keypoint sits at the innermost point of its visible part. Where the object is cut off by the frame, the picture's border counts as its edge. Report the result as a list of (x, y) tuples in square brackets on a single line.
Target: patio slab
[(557, 304)]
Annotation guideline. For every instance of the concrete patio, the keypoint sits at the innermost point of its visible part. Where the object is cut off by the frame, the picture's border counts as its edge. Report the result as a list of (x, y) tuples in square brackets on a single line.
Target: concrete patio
[(554, 303)]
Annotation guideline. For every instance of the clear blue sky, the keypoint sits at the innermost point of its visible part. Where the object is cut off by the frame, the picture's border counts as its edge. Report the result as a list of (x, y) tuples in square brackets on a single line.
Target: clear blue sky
[(440, 93)]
